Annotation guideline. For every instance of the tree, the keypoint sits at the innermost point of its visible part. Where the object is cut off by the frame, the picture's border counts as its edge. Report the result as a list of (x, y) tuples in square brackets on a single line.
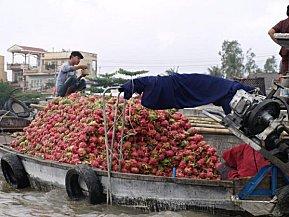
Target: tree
[(108, 79), (251, 66), (130, 73), (105, 80), (5, 90), (171, 71), (216, 71), (232, 59), (270, 65)]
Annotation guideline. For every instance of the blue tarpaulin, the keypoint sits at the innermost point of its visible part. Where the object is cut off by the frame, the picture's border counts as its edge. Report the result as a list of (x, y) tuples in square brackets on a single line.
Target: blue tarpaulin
[(183, 91)]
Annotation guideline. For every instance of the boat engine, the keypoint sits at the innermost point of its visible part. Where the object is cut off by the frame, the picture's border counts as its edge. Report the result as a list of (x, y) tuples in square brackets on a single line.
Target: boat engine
[(262, 120)]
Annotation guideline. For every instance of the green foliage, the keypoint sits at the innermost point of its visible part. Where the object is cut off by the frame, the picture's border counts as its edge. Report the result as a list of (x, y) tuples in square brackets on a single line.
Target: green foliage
[(216, 71), (30, 96), (251, 66), (232, 59), (129, 73), (171, 71), (5, 90), (107, 75), (95, 89), (108, 79), (105, 80), (270, 65)]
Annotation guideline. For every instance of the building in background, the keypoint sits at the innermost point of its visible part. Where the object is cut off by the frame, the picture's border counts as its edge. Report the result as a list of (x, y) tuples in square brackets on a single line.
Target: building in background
[(3, 74), (43, 76), (18, 69)]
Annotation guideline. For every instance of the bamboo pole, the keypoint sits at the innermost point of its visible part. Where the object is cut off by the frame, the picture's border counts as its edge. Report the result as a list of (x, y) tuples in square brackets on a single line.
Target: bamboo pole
[(208, 126), (203, 121), (199, 117), (212, 130)]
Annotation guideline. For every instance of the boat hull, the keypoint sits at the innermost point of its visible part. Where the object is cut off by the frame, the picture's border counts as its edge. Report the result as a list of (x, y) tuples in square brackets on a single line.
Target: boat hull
[(173, 193)]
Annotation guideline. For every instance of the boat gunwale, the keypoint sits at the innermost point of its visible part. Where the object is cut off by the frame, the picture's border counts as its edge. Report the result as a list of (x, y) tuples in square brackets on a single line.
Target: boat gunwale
[(130, 176)]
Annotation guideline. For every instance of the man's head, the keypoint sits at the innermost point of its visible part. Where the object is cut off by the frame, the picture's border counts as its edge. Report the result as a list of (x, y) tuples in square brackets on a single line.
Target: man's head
[(288, 10), (75, 57)]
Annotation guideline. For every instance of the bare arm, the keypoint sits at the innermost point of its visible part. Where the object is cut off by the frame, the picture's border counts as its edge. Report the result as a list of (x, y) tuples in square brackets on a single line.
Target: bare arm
[(271, 34), (66, 68)]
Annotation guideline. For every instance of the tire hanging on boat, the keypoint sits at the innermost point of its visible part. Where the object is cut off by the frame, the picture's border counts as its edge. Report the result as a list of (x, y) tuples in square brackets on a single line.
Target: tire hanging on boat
[(14, 172), (17, 107), (92, 191)]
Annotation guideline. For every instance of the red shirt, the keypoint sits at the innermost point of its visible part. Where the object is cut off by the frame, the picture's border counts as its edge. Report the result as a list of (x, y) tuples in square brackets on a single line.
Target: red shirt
[(282, 27), (244, 161)]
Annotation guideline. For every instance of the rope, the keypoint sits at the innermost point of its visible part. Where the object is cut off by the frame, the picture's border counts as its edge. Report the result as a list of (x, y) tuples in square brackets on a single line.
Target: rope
[(108, 193), (121, 138), (129, 108), (109, 147)]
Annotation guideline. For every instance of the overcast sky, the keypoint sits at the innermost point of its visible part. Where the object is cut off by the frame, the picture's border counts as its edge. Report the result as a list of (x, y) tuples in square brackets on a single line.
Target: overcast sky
[(154, 35)]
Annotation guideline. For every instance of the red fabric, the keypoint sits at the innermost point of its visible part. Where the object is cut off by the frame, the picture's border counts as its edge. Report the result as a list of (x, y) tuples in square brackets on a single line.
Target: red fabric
[(244, 161)]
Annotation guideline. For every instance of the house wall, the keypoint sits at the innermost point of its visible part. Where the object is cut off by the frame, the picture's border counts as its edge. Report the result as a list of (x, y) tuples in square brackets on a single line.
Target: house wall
[(39, 82), (3, 74)]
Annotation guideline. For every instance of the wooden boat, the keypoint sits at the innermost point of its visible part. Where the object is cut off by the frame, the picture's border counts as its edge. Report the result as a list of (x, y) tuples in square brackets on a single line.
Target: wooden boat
[(147, 192)]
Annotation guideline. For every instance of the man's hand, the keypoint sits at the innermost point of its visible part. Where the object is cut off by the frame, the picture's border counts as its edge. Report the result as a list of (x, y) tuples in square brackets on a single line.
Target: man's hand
[(84, 72), (80, 67)]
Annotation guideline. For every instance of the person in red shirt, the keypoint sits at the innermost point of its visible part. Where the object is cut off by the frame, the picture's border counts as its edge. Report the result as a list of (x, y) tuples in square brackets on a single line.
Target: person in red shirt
[(282, 27), (241, 161)]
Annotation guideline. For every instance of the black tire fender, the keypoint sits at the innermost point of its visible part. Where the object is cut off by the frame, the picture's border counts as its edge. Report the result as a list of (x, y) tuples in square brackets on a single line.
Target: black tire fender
[(84, 174), (14, 171), (9, 105)]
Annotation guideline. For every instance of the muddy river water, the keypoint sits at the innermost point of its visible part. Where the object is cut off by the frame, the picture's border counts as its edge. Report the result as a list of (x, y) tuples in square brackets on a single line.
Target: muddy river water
[(29, 202)]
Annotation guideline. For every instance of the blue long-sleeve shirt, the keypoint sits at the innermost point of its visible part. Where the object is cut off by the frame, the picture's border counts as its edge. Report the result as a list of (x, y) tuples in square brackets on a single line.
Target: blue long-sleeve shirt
[(66, 70)]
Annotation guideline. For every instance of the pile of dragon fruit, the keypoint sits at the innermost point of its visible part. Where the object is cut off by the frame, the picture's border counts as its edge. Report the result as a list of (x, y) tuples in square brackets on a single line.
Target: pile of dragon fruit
[(71, 130)]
